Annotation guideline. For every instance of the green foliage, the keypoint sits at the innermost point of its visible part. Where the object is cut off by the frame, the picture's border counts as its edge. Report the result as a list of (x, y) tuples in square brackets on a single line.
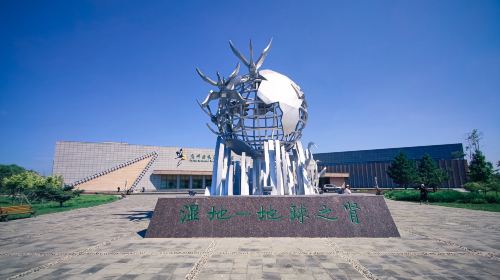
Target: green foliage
[(479, 169), (403, 195), (440, 196), (430, 174), (458, 155), (492, 197), (62, 194), (23, 185), (33, 187), (402, 171), (474, 186), (9, 170), (493, 183), (74, 203), (445, 196), (473, 139), (478, 200)]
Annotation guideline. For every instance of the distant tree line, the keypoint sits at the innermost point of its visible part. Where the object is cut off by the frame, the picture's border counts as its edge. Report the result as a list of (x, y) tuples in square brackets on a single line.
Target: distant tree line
[(408, 173), (27, 185), (481, 176)]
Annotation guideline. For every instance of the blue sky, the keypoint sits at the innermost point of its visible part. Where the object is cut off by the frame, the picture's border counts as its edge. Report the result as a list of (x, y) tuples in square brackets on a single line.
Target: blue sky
[(376, 74)]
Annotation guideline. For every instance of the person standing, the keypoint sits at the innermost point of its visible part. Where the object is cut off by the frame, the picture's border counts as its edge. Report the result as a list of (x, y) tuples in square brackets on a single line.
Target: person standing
[(347, 190), (377, 189)]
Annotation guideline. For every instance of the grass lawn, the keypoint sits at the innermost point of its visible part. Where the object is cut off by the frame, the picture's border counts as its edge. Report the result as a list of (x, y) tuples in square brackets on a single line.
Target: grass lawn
[(493, 207), (82, 201)]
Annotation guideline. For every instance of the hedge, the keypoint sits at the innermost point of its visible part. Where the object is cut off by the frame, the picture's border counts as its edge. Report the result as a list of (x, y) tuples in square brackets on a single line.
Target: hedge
[(445, 196)]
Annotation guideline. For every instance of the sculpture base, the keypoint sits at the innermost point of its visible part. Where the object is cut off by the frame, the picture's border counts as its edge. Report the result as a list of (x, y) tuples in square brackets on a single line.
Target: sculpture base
[(272, 216)]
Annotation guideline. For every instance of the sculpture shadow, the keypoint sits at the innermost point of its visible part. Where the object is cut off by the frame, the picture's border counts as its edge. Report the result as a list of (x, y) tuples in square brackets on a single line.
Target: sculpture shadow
[(136, 216), (142, 233)]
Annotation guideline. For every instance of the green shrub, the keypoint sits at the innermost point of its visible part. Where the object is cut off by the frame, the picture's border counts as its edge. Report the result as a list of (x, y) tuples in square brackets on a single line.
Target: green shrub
[(406, 195), (478, 201), (492, 198), (445, 196), (468, 197), (474, 186)]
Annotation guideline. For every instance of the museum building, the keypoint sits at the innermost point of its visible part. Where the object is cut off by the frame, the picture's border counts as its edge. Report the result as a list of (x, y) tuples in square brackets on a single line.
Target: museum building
[(366, 165), (107, 166)]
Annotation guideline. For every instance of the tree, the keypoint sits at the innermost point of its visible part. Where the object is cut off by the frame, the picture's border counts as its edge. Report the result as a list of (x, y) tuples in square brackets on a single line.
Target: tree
[(23, 185), (473, 139), (62, 194), (54, 189), (494, 184), (33, 187), (458, 155), (479, 169), (9, 170), (430, 174), (402, 171)]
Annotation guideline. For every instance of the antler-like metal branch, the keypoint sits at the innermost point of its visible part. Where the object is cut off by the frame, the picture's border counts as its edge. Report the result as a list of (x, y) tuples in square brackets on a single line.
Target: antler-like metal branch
[(263, 55), (252, 66), (238, 54), (205, 108), (211, 129), (235, 72), (205, 78), (221, 81), (251, 53)]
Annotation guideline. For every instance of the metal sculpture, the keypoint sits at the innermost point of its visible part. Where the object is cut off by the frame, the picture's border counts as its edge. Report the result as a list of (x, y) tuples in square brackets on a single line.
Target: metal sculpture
[(259, 117)]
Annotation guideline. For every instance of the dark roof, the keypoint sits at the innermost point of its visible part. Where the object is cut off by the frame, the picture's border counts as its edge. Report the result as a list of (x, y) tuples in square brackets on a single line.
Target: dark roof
[(437, 152)]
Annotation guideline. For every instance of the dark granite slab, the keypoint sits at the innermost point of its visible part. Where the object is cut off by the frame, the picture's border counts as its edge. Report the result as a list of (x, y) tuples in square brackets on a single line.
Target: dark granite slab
[(272, 216)]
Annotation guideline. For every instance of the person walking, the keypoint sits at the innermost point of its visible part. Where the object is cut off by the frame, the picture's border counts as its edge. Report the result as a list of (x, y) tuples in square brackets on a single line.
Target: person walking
[(423, 194)]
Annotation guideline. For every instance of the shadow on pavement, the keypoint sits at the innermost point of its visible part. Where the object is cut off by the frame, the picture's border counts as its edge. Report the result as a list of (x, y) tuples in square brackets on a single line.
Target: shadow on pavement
[(137, 215), (142, 233)]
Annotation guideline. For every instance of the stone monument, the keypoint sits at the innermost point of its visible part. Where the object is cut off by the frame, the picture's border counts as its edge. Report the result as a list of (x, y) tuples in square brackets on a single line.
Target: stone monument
[(259, 118)]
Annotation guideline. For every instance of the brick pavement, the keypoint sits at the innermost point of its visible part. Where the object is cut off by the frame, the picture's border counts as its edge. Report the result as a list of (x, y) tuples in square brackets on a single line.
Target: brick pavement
[(105, 242)]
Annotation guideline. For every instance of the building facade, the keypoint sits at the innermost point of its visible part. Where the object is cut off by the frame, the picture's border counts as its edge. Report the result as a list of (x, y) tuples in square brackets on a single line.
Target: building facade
[(364, 166), (105, 167)]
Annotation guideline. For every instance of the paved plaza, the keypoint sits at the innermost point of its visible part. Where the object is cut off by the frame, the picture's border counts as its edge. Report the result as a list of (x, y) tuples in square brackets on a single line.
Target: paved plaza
[(105, 242)]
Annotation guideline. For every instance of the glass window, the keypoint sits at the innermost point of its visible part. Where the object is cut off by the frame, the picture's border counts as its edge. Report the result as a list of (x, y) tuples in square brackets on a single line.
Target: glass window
[(197, 182), (184, 183), (208, 181), (163, 182), (168, 182)]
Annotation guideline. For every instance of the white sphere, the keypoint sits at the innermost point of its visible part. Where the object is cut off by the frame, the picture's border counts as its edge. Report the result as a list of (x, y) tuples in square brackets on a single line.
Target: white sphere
[(273, 108), (279, 88)]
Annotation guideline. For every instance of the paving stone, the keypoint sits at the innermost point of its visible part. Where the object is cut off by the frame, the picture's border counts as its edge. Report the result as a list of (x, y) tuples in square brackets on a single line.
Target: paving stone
[(103, 243)]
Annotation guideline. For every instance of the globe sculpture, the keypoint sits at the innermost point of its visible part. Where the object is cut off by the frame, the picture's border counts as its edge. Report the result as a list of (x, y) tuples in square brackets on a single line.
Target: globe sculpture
[(259, 117)]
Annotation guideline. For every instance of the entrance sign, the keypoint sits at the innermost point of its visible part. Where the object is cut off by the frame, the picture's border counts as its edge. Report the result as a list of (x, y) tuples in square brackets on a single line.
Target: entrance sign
[(272, 216)]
